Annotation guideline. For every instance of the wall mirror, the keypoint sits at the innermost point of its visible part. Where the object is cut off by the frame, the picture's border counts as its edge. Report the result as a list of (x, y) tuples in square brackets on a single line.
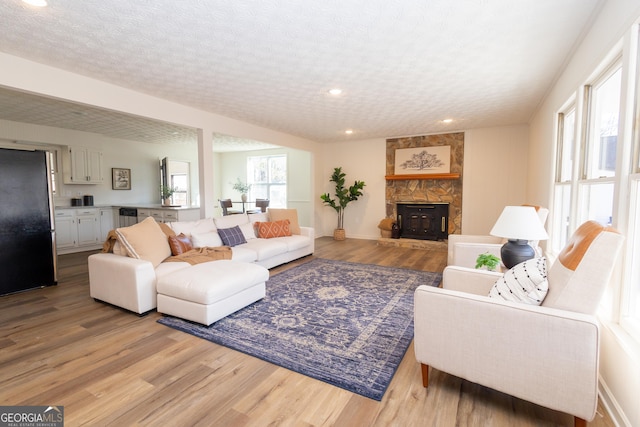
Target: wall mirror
[(176, 174)]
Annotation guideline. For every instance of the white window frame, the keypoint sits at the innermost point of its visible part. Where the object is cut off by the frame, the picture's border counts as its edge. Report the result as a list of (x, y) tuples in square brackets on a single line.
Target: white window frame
[(269, 184), (561, 223), (629, 309)]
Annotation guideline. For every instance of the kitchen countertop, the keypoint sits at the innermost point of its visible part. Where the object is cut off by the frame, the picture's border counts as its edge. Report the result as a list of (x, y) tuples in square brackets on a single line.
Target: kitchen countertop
[(155, 206), (137, 205)]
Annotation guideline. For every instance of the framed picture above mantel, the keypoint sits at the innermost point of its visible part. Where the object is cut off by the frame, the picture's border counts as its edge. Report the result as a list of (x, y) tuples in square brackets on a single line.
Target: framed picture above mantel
[(422, 176), (423, 160)]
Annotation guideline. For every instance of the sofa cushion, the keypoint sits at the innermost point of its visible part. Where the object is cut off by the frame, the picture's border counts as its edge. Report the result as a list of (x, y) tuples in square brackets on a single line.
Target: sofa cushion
[(194, 227), (145, 240), (195, 284), (244, 254), (248, 231), (269, 230), (179, 244), (525, 282), (293, 242), (258, 217), (232, 236), (166, 229), (265, 248), (229, 221), (290, 214), (210, 239)]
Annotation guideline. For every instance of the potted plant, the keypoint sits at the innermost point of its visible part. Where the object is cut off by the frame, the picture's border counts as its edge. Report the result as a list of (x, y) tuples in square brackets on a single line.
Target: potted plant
[(242, 188), (487, 260), (343, 197), (166, 192)]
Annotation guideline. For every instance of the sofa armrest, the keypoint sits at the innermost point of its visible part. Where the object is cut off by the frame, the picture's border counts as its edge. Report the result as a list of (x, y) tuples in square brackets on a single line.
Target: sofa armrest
[(309, 232), (470, 280), (543, 355), (126, 282)]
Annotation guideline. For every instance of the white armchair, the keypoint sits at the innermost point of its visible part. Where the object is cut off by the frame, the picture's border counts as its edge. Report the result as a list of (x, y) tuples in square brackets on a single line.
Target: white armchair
[(544, 354), (463, 249)]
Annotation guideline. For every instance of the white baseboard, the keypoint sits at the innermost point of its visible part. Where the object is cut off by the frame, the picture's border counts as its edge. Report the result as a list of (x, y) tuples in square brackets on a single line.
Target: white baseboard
[(611, 405)]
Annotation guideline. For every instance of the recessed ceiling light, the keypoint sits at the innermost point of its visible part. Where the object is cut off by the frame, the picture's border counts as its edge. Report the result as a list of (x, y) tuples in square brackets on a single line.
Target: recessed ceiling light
[(36, 3), (447, 121), (348, 131), (335, 91)]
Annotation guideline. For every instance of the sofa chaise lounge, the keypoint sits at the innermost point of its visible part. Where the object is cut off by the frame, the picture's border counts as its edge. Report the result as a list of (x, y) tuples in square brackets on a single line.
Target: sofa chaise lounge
[(140, 275)]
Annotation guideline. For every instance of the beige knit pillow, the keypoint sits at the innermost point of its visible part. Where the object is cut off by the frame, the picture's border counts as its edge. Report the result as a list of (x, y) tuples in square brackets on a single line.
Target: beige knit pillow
[(282, 214), (146, 241)]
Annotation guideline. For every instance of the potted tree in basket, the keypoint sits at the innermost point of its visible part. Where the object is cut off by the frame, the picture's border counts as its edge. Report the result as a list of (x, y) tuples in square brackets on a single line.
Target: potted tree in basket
[(242, 188), (343, 197)]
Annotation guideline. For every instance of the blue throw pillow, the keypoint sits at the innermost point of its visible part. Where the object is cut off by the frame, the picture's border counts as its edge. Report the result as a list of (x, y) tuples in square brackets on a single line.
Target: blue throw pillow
[(232, 236)]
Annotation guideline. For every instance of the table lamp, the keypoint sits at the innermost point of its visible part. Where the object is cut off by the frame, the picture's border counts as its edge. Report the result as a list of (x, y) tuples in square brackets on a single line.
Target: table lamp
[(518, 224)]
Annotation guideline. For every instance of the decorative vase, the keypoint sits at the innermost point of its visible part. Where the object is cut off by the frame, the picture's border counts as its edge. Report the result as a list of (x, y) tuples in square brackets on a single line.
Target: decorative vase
[(167, 201), (339, 234), (243, 197)]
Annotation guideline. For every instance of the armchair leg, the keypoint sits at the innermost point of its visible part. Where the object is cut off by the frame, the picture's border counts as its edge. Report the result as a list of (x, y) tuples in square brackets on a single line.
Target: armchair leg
[(425, 376), (579, 422)]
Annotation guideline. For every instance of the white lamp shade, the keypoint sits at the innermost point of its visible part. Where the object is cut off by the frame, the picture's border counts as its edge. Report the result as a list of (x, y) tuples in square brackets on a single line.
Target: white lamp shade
[(519, 223)]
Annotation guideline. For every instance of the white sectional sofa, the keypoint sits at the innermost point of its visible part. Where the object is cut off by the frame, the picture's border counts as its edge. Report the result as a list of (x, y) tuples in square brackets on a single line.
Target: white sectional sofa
[(130, 281)]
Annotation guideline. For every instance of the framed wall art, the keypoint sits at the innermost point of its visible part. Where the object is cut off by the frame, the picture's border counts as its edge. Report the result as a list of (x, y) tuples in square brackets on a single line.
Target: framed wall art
[(121, 179), (423, 160)]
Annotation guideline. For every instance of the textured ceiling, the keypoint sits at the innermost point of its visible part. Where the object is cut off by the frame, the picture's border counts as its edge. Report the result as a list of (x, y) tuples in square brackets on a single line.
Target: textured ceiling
[(403, 65)]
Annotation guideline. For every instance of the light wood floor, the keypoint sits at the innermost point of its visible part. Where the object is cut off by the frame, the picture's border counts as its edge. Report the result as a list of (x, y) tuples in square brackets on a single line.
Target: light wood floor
[(111, 367)]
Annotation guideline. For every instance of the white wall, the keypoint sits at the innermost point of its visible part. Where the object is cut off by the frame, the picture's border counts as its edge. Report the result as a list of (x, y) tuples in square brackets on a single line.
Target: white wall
[(363, 160), (494, 175), (620, 355)]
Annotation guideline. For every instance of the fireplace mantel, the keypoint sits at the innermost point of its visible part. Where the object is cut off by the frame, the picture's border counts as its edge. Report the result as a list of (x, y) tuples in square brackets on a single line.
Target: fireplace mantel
[(422, 176)]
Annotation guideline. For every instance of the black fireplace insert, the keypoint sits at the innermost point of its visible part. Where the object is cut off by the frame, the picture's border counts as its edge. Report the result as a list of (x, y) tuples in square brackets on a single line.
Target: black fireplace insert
[(425, 221)]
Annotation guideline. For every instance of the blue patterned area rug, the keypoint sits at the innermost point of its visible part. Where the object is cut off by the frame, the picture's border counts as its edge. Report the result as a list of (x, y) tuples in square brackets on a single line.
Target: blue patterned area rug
[(342, 323)]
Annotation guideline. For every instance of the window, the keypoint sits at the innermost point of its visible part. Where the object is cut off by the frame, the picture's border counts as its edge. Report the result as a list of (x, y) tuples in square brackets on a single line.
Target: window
[(630, 318), (597, 185), (604, 100), (597, 175), (630, 307), (268, 178), (180, 182), (564, 175)]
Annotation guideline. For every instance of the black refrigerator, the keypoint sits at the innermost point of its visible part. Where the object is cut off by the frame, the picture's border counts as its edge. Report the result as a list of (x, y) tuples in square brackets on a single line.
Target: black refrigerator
[(27, 235)]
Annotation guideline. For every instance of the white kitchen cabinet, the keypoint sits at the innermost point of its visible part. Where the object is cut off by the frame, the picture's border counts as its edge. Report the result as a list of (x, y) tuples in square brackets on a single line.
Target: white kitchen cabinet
[(169, 215), (88, 227), (108, 219), (66, 229), (77, 230), (143, 214), (82, 165)]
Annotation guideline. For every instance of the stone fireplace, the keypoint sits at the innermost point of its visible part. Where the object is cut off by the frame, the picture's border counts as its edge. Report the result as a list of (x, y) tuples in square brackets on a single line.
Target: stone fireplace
[(427, 189)]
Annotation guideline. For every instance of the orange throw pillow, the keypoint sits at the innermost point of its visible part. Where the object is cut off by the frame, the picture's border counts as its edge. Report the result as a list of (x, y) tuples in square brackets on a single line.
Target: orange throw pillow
[(180, 244), (267, 230)]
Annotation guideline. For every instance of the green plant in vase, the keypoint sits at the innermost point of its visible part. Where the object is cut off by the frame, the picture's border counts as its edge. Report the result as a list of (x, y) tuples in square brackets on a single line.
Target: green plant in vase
[(165, 193), (243, 188)]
